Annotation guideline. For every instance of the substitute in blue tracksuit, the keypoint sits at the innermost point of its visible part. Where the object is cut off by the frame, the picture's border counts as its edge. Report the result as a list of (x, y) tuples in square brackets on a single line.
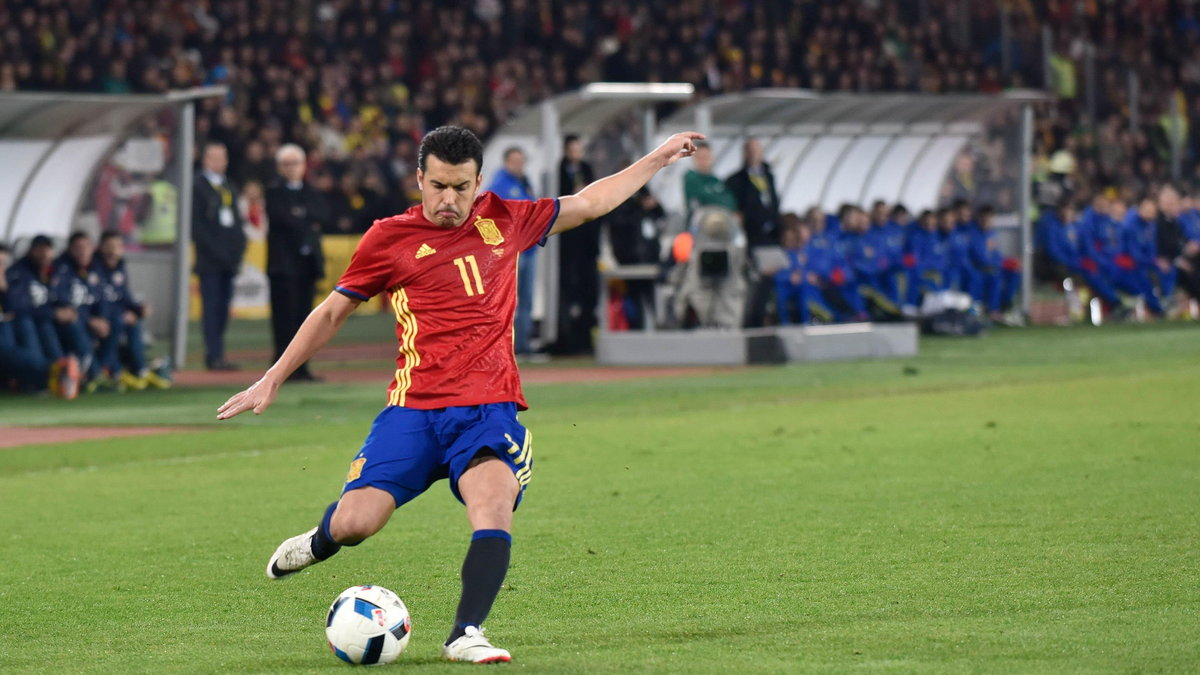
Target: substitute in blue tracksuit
[(895, 238), (1136, 256), (962, 274), (510, 183), (1001, 276), (126, 313), (1072, 254), (833, 275), (796, 284), (925, 258), (866, 253), (27, 366), (80, 317), (32, 303)]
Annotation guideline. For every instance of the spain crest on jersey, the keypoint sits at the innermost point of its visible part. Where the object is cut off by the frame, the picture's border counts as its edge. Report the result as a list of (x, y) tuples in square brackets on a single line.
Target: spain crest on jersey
[(488, 230)]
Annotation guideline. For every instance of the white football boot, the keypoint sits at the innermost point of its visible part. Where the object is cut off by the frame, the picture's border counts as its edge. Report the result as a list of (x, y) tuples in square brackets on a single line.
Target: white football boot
[(292, 556), (473, 647)]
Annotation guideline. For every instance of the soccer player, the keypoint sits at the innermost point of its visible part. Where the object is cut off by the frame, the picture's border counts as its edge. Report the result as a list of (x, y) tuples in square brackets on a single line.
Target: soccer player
[(448, 266)]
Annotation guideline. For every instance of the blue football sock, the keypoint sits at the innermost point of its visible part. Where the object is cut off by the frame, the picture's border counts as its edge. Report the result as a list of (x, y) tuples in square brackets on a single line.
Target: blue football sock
[(483, 573)]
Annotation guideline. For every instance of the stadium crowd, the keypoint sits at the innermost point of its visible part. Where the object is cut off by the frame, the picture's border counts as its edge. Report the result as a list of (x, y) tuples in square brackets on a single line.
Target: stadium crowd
[(356, 83)]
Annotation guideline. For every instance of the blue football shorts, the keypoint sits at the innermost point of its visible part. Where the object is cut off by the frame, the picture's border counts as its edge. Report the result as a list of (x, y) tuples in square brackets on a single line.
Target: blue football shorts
[(408, 450)]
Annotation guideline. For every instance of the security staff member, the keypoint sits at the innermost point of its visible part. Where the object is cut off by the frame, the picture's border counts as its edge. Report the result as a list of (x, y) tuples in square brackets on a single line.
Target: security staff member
[(220, 243)]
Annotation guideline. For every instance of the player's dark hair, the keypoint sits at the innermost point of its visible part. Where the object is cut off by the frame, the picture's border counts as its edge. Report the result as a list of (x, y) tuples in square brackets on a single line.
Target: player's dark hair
[(510, 150), (985, 210), (212, 143), (5, 249), (899, 210), (452, 145), (569, 139), (701, 144), (76, 236), (109, 234)]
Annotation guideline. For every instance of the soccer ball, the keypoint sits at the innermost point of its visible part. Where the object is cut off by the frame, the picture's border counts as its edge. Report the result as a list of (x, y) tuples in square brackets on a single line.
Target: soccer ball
[(368, 625)]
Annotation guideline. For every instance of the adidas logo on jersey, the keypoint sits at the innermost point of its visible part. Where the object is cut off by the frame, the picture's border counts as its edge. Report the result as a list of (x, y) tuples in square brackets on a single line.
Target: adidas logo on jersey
[(425, 250)]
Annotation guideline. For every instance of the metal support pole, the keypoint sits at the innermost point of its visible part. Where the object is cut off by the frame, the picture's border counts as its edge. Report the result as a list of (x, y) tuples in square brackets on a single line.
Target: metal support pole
[(649, 128), (185, 137), (1024, 202), (704, 119), (547, 267)]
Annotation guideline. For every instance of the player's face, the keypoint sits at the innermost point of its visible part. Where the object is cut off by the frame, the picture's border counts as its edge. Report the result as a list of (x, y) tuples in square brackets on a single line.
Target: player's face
[(41, 255), (82, 251), (112, 250), (703, 160), (447, 190)]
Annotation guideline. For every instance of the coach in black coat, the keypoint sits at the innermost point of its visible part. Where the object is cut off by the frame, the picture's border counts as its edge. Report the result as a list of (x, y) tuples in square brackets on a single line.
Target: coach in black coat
[(296, 213), (754, 189), (220, 244)]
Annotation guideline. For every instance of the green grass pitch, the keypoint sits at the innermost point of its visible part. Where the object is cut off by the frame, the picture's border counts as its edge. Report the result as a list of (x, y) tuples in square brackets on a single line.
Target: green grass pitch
[(1028, 502)]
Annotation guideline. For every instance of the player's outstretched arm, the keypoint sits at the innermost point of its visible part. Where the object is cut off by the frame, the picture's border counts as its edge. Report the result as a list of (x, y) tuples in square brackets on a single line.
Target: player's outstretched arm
[(608, 193), (321, 325)]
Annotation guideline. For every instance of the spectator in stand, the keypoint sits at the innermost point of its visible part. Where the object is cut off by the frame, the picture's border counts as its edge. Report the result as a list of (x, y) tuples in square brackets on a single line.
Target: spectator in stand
[(220, 243), (126, 314), (297, 213), (510, 183), (578, 250)]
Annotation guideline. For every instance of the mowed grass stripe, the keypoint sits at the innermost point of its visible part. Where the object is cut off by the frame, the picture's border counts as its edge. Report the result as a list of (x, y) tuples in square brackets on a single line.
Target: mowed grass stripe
[(1045, 526)]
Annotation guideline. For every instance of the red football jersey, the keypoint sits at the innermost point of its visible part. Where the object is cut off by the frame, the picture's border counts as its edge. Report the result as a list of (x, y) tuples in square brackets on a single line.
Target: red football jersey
[(453, 291)]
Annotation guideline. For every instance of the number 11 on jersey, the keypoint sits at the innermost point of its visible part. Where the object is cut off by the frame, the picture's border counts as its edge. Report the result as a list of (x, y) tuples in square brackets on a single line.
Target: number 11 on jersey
[(462, 264)]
